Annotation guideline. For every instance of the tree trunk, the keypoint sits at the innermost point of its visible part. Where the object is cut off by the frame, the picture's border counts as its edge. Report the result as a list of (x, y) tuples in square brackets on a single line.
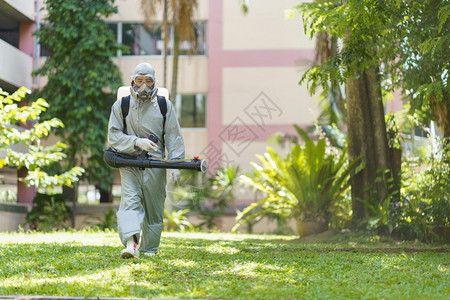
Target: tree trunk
[(71, 194), (165, 39), (367, 139), (105, 196), (378, 124), (176, 51), (446, 116), (396, 172)]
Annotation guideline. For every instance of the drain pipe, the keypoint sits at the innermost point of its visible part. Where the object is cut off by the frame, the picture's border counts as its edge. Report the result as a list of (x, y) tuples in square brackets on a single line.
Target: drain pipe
[(36, 46)]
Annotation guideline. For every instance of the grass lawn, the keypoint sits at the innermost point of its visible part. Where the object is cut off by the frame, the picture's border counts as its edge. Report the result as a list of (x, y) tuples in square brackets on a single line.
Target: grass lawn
[(201, 265)]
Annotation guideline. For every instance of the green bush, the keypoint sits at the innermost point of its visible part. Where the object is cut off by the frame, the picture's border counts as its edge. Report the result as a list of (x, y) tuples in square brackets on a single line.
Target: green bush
[(307, 184), (107, 221), (208, 196), (424, 210), (176, 220), (49, 212)]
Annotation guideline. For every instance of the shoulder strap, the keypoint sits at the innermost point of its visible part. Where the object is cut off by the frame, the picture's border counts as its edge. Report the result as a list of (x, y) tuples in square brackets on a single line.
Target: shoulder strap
[(163, 108), (125, 105)]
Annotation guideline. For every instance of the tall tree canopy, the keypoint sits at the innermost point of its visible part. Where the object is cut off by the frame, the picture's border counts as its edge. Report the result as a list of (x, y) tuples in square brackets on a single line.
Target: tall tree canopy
[(408, 39), (82, 79), (423, 64)]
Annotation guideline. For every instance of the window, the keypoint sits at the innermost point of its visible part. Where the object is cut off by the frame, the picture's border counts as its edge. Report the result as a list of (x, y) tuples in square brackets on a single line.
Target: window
[(200, 46), (113, 27), (44, 52), (191, 110), (143, 41), (9, 32), (140, 40)]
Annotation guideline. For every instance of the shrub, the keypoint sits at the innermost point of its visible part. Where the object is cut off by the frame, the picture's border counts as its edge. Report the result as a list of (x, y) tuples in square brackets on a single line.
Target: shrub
[(306, 184), (107, 221), (424, 210), (49, 212), (176, 220), (208, 196)]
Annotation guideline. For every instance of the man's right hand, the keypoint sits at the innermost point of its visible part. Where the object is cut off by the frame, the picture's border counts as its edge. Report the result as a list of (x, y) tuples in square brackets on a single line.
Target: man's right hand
[(146, 144)]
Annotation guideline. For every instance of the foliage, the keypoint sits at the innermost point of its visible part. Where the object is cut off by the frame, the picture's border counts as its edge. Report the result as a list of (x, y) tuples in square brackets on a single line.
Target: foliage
[(8, 196), (193, 193), (244, 6), (177, 221), (393, 132), (37, 157), (82, 79), (105, 222), (424, 61), (220, 266), (49, 212), (380, 218), (305, 185), (422, 211), (210, 196), (223, 184), (409, 38)]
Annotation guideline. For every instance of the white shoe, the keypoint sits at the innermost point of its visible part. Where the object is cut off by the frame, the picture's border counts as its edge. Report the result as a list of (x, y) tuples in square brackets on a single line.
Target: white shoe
[(149, 254), (131, 250)]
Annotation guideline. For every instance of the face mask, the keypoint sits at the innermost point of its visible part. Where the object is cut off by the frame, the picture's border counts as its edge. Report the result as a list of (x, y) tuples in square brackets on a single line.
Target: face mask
[(143, 93)]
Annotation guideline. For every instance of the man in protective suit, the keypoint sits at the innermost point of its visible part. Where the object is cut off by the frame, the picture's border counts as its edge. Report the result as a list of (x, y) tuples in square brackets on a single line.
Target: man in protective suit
[(141, 211)]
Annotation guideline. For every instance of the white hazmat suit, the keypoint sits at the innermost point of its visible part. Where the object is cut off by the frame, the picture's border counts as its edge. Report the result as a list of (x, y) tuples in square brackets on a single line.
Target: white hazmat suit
[(143, 190)]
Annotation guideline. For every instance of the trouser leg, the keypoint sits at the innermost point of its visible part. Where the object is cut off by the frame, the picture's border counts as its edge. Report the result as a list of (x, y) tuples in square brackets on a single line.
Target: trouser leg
[(154, 194), (131, 212)]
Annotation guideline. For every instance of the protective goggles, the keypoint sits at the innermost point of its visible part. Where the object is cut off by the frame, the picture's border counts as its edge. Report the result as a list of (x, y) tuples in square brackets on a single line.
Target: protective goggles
[(143, 79)]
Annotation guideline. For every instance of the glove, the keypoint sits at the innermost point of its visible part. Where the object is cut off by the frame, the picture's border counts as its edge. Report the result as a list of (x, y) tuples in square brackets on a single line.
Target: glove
[(145, 144), (174, 175)]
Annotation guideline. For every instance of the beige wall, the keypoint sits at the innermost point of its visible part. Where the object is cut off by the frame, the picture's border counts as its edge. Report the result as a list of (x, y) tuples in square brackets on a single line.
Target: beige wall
[(192, 73), (195, 141), (11, 221), (15, 65), (242, 85), (23, 10), (264, 27), (245, 159), (248, 156), (129, 11)]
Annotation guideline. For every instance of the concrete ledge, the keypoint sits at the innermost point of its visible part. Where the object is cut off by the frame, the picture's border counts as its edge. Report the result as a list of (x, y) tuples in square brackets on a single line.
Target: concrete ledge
[(15, 207), (91, 209), (12, 215)]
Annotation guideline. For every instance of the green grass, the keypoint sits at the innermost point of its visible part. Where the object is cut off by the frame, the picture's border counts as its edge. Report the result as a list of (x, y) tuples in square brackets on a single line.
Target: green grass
[(199, 265)]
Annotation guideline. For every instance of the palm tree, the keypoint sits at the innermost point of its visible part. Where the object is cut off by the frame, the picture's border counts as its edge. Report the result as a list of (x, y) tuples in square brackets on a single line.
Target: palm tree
[(180, 14), (150, 10)]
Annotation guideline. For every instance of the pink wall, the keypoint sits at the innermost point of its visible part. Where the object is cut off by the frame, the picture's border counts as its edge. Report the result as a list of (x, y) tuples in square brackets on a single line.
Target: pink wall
[(26, 38), (27, 45), (220, 59)]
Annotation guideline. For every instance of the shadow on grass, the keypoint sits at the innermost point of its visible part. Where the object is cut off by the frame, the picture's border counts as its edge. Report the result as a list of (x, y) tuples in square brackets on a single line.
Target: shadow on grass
[(201, 268)]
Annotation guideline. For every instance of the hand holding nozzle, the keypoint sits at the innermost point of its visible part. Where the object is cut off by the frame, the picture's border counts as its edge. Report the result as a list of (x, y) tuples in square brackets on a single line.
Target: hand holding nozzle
[(146, 144)]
